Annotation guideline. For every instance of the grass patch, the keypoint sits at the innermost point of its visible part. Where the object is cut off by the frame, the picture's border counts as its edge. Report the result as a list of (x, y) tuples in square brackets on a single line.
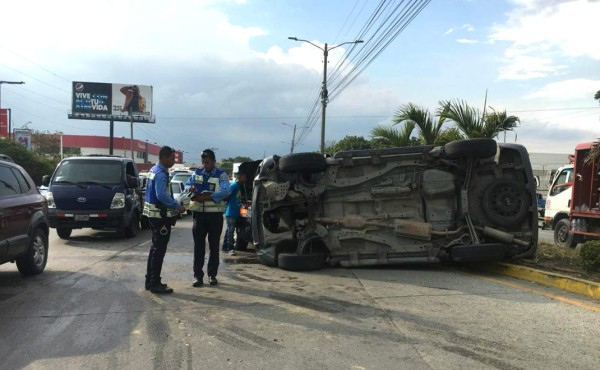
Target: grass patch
[(566, 261)]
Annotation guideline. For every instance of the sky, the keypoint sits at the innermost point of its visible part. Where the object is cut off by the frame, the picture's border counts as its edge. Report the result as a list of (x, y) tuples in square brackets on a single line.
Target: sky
[(226, 76)]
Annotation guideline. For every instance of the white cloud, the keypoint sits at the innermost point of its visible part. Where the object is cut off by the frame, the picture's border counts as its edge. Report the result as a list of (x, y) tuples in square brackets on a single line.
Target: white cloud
[(523, 67), (567, 90), (550, 30), (467, 27), (466, 41), (449, 31)]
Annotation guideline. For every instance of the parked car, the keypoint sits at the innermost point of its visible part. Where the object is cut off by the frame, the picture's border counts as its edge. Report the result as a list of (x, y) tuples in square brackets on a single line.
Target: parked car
[(23, 221), (470, 200), (6, 158), (97, 191), (182, 176), (178, 191)]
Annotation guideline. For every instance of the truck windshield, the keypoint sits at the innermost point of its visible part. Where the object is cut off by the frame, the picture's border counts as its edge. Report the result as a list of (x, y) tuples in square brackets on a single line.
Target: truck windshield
[(86, 171)]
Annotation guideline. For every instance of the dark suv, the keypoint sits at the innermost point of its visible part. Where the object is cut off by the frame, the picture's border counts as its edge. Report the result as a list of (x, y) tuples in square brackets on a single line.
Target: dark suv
[(97, 191), (470, 200), (23, 221)]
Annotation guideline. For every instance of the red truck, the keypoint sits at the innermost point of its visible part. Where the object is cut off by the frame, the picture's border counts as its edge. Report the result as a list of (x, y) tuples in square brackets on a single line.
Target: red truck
[(585, 196)]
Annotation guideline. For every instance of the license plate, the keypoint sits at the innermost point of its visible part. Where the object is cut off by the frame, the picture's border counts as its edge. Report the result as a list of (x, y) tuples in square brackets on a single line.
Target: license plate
[(82, 217)]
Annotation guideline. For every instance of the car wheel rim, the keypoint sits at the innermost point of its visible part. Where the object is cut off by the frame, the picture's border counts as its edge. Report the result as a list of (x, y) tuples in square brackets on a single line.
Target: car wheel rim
[(39, 251)]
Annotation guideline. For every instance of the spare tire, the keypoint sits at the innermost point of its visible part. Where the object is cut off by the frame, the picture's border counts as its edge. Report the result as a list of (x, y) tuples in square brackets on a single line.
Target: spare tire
[(506, 202), (478, 148), (302, 162)]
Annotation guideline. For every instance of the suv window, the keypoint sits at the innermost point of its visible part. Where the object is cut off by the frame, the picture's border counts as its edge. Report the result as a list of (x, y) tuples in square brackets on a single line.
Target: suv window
[(9, 185), (81, 170), (22, 181)]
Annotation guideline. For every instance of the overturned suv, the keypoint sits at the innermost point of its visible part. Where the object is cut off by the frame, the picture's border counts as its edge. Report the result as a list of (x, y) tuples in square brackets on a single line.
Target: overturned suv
[(469, 200)]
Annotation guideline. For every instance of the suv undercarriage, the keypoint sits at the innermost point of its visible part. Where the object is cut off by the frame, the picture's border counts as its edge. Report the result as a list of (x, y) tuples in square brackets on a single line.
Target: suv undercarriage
[(470, 200)]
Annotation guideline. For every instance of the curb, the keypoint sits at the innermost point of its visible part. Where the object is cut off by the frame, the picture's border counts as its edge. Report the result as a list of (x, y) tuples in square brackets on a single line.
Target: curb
[(580, 286)]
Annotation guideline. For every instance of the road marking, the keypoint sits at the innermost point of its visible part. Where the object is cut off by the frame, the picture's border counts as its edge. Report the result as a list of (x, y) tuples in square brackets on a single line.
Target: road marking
[(574, 302)]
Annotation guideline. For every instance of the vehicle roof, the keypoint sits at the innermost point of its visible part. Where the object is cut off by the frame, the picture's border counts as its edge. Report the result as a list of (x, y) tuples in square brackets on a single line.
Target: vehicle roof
[(100, 157)]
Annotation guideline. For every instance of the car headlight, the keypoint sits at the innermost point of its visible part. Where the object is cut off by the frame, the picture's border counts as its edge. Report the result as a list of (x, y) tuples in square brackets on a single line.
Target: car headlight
[(50, 200), (118, 201)]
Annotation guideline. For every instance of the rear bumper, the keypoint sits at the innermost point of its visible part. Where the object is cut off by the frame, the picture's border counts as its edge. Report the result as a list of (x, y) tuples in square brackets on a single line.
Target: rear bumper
[(110, 219)]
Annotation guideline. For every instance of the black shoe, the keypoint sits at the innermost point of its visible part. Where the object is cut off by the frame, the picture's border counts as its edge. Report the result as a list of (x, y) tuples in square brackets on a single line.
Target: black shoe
[(197, 283), (212, 280), (161, 289), (148, 286)]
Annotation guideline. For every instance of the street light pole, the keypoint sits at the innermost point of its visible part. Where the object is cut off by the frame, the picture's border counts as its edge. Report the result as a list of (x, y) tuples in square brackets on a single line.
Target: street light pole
[(324, 93), (8, 83)]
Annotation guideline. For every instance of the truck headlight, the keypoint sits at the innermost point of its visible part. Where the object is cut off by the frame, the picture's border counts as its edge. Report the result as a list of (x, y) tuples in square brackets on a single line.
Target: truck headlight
[(118, 201), (50, 200)]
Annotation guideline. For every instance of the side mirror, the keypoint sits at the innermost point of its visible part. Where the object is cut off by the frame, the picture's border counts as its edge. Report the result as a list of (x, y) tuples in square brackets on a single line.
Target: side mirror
[(46, 180), (132, 181)]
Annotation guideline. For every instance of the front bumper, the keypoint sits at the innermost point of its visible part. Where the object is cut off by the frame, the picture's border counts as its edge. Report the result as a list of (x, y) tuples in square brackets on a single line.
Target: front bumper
[(109, 219)]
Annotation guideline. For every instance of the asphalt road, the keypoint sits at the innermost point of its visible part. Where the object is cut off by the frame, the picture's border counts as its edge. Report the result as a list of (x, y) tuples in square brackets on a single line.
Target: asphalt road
[(89, 309)]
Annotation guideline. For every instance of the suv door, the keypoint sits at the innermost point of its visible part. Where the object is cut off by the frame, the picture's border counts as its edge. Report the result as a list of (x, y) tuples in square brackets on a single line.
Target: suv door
[(14, 212)]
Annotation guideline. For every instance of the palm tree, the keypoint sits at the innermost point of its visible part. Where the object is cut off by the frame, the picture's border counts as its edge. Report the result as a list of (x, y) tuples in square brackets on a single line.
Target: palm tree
[(389, 136), (473, 124), (500, 122), (429, 131)]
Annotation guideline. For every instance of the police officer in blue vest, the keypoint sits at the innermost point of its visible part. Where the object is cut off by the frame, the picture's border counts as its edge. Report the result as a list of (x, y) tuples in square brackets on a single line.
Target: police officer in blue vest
[(211, 186), (162, 211)]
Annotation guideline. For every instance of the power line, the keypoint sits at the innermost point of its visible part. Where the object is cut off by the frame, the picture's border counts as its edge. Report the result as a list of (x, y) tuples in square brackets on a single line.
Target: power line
[(34, 63)]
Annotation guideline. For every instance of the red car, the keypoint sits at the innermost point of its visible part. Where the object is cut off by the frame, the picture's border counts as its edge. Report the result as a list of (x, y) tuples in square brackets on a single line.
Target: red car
[(23, 221)]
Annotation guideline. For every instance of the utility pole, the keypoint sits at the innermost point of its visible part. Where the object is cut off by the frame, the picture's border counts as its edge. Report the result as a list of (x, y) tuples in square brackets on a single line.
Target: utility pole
[(324, 93)]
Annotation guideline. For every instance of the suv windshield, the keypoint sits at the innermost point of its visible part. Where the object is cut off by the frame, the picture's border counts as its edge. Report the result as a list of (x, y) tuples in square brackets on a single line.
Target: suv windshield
[(86, 171)]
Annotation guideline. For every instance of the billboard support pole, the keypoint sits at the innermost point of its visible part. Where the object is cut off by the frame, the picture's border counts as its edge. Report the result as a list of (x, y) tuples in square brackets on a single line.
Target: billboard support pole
[(110, 139), (131, 140)]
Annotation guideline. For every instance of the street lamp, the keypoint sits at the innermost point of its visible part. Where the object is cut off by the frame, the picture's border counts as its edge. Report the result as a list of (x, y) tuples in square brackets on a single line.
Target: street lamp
[(8, 83), (324, 95)]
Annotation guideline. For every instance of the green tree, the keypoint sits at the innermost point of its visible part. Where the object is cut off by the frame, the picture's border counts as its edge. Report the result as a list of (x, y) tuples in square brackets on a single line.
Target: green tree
[(226, 164), (390, 136), (35, 165), (348, 143), (46, 144), (597, 96), (473, 124), (430, 130)]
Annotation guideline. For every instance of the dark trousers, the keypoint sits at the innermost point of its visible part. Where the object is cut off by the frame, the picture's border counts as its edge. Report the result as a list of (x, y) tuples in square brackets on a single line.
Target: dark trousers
[(207, 224), (160, 239)]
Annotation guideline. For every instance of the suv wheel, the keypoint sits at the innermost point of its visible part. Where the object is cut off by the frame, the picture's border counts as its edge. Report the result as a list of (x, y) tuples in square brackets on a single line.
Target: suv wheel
[(131, 230), (478, 148), (34, 260), (64, 232), (306, 162)]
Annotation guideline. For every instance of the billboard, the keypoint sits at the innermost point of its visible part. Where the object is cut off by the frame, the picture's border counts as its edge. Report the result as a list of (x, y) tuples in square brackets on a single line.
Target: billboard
[(23, 137), (116, 102), (3, 122)]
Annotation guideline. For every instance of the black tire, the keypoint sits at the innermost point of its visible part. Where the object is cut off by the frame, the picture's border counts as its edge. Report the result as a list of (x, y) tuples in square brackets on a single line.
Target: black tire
[(34, 260), (304, 162), (132, 229), (562, 236), (145, 223), (506, 202), (64, 232), (478, 148), (303, 262)]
